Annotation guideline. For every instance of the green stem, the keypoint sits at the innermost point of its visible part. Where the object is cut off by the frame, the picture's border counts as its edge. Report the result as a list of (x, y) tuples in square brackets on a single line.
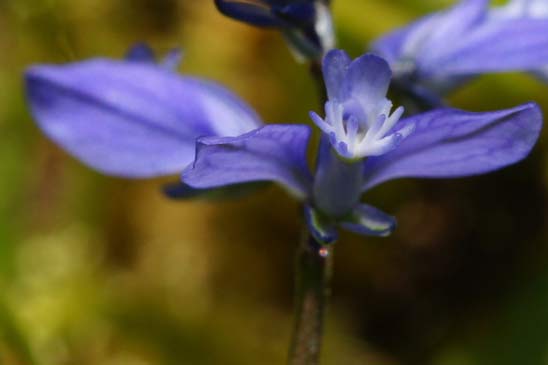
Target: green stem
[(313, 272)]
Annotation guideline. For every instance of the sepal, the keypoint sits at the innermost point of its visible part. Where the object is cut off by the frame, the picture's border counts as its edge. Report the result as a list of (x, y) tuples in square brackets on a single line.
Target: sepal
[(321, 228), (370, 221)]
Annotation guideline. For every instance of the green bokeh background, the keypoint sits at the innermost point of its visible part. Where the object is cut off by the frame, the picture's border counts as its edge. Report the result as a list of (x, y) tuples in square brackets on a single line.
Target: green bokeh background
[(98, 270)]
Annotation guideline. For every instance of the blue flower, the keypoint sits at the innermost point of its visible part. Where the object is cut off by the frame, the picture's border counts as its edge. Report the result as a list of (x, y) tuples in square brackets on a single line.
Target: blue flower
[(443, 50), (306, 24), (136, 118), (444, 143)]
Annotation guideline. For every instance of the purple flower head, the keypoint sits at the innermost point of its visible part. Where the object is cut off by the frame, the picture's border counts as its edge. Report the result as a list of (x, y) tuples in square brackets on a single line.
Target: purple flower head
[(445, 143), (134, 117), (138, 118), (306, 24), (441, 51)]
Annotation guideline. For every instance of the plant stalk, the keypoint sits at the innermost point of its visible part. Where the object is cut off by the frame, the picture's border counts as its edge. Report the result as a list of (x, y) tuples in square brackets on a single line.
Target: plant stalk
[(313, 273)]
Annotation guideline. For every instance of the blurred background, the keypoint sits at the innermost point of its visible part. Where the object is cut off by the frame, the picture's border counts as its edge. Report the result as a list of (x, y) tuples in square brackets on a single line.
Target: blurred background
[(97, 270)]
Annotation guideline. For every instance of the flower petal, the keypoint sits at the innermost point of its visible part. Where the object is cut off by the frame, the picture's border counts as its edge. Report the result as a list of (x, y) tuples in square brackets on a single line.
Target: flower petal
[(271, 153), (453, 143), (335, 65), (131, 119), (430, 35), (404, 43), (496, 46), (452, 25), (370, 221), (254, 12), (367, 79), (464, 41), (521, 8)]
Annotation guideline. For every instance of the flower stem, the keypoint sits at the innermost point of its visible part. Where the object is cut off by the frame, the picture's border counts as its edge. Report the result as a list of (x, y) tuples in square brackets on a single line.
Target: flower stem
[(313, 272)]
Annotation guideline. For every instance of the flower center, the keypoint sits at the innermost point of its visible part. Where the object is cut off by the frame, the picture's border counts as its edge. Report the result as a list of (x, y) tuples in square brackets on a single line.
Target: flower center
[(356, 130)]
